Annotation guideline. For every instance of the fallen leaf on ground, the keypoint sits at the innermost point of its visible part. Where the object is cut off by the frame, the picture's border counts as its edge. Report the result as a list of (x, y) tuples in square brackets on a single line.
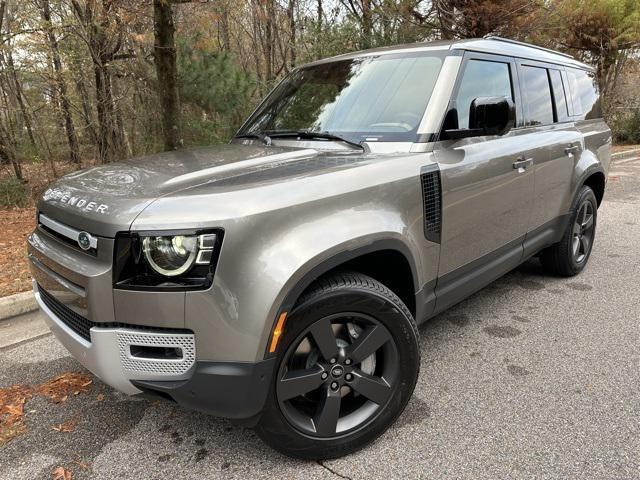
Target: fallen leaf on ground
[(12, 400), (100, 397), (84, 466), (66, 427), (59, 389), (61, 473)]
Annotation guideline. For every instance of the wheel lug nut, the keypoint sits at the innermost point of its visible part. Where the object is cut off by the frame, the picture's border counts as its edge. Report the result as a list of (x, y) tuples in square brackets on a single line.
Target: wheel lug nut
[(347, 361), (324, 375), (334, 385), (332, 361), (348, 377)]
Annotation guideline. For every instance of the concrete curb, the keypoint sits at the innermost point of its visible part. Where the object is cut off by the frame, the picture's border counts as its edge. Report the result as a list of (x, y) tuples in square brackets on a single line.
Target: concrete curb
[(17, 304), (625, 154)]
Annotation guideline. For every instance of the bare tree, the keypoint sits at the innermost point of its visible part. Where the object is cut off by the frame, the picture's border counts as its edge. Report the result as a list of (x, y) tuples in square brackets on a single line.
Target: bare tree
[(65, 106), (103, 34), (7, 149)]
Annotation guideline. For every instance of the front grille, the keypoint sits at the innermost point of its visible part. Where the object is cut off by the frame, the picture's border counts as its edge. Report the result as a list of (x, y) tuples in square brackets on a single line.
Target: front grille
[(431, 193), (71, 319), (82, 325), (67, 241)]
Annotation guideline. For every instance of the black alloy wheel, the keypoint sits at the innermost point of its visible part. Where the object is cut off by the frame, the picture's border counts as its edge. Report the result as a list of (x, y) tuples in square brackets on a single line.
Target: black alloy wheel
[(570, 255), (338, 374), (583, 230)]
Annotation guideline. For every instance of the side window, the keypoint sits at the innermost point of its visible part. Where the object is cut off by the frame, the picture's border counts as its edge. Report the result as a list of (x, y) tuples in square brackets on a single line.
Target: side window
[(559, 96), (481, 78), (584, 90), (538, 96)]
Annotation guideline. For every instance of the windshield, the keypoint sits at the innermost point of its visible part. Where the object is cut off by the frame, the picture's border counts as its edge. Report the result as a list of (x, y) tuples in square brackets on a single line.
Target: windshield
[(379, 98)]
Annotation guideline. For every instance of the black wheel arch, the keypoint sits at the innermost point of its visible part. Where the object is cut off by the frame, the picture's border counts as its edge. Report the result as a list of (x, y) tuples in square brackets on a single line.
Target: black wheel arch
[(596, 180), (355, 259)]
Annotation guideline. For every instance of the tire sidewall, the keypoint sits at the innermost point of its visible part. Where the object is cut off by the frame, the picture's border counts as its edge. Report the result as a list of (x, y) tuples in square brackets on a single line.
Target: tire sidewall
[(275, 429)]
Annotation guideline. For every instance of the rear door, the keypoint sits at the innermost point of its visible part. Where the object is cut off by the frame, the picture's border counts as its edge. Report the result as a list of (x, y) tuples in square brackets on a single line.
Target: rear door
[(555, 149)]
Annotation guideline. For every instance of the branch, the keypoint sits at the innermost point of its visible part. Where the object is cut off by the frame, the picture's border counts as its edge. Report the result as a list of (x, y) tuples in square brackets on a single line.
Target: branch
[(3, 6)]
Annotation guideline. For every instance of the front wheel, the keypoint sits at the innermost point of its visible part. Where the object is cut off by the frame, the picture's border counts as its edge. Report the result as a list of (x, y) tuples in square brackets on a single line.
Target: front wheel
[(570, 255), (347, 366)]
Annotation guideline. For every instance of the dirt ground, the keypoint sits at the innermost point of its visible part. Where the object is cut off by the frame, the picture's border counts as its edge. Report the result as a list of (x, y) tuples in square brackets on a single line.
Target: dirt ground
[(14, 272)]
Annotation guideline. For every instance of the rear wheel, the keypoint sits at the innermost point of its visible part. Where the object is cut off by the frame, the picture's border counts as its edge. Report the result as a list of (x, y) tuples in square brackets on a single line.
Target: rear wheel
[(569, 256), (347, 366)]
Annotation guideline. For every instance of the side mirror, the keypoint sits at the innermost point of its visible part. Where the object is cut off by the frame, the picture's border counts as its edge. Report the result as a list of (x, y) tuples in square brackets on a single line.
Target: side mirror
[(487, 116), (493, 115)]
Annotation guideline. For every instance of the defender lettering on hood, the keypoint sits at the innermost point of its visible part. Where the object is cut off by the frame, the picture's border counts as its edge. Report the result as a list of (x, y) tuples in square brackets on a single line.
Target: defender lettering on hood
[(67, 198)]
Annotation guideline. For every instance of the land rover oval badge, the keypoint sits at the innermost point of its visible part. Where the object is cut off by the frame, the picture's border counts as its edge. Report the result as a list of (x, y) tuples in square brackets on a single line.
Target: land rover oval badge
[(84, 240)]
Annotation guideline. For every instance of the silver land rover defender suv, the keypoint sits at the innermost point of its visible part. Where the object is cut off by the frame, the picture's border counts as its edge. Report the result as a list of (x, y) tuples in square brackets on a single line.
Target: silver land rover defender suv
[(279, 279)]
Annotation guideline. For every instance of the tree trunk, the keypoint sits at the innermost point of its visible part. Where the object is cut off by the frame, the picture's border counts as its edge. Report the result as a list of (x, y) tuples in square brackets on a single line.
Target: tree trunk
[(366, 24), (105, 140), (291, 12), (20, 97), (268, 41), (65, 106), (8, 154), (122, 138), (87, 114), (167, 73), (104, 39), (224, 28)]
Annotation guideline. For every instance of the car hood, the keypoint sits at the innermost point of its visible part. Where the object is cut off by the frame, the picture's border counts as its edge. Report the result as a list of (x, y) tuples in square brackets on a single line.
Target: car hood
[(106, 199)]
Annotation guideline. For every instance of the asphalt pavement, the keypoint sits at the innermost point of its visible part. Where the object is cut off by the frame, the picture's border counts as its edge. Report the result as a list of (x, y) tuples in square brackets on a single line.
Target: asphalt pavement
[(532, 377)]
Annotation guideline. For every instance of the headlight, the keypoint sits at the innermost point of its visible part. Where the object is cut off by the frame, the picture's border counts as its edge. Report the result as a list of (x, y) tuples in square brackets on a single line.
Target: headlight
[(166, 260), (170, 256)]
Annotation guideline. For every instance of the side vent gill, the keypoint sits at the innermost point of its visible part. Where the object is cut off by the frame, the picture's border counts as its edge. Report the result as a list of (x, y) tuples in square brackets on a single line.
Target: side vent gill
[(432, 198)]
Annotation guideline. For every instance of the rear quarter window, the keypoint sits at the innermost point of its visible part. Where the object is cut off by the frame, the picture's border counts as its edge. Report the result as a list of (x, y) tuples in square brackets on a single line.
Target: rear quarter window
[(539, 109), (584, 92)]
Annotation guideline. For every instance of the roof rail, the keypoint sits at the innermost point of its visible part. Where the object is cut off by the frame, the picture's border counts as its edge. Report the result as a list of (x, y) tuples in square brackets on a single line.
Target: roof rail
[(524, 44)]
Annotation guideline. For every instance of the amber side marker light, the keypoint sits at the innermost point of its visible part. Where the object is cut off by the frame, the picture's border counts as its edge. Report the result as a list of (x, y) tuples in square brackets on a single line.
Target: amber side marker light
[(277, 332)]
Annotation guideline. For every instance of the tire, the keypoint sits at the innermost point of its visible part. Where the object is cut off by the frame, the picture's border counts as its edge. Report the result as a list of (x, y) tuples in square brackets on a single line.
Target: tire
[(345, 317), (570, 255)]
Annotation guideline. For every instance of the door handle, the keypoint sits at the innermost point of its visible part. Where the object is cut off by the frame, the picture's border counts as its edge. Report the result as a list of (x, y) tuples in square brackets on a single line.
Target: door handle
[(571, 149), (522, 163)]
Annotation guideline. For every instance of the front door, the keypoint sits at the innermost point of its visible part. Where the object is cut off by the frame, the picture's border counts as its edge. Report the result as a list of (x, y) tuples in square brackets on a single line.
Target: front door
[(487, 186)]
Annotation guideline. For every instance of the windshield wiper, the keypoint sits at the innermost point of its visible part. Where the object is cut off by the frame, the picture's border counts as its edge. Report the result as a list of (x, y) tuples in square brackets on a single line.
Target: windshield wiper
[(308, 134), (266, 139)]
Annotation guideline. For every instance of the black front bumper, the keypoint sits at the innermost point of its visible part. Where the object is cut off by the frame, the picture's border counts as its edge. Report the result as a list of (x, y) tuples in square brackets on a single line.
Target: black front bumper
[(224, 389)]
